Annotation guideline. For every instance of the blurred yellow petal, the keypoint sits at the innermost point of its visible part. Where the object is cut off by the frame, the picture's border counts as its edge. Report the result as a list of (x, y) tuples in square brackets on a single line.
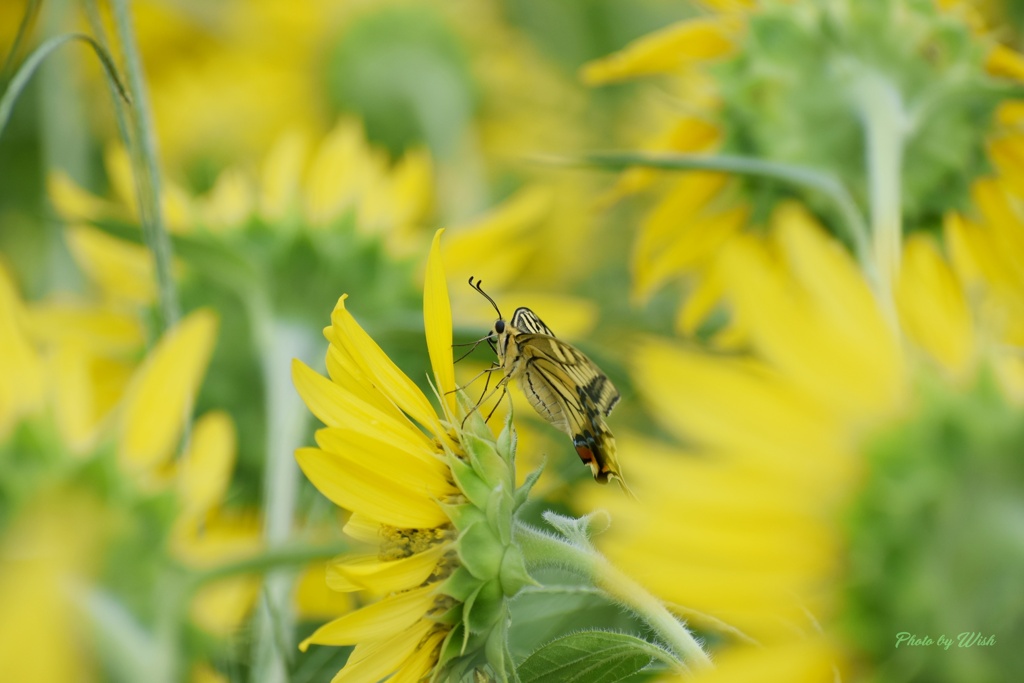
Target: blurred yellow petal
[(361, 487), (668, 50), (933, 310), (123, 271), (335, 406), (802, 660), (163, 389), (368, 572), (282, 171), (844, 337), (119, 171), (703, 399), (684, 207), (700, 302), (387, 376), (204, 472), (46, 551), (74, 203), (230, 203), (496, 246), (437, 320), (342, 170), (74, 403), (1002, 61), (22, 389), (687, 135), (101, 330), (313, 597), (379, 620)]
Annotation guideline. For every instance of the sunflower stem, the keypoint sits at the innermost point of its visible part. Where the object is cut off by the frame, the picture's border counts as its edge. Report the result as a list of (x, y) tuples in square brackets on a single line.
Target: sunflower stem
[(279, 343), (885, 122), (143, 150), (542, 549), (282, 557)]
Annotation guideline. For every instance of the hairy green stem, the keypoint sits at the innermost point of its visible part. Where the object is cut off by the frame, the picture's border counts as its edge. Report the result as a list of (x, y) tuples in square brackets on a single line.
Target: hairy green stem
[(885, 123), (803, 176), (543, 549)]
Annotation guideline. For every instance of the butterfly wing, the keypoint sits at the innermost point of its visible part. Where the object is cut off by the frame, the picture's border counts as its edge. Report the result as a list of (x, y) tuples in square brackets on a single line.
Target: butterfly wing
[(568, 390), (528, 322)]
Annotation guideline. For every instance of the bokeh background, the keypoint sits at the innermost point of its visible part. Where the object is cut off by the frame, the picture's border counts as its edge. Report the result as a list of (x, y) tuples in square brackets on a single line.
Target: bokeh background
[(309, 150)]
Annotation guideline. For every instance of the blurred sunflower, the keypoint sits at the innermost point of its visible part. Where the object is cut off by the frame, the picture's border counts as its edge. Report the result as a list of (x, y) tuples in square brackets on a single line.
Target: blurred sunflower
[(889, 109), (89, 431), (828, 499), (433, 495)]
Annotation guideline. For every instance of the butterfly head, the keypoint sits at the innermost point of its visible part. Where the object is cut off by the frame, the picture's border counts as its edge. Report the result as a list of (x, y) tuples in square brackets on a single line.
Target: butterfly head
[(501, 328)]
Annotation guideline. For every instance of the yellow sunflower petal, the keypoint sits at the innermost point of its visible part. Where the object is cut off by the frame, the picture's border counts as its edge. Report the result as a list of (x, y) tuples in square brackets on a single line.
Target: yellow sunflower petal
[(123, 271), (421, 662), (74, 203), (666, 51), (359, 572), (374, 622), (933, 310), (372, 661), (22, 389), (363, 488), (437, 319), (363, 528), (337, 407), (387, 376), (205, 471), (701, 398), (1002, 61), (105, 330), (345, 371), (162, 389), (282, 169), (810, 659), (417, 470)]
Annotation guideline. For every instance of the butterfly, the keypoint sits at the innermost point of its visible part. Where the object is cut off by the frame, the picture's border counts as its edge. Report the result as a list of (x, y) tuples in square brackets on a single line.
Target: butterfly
[(562, 384)]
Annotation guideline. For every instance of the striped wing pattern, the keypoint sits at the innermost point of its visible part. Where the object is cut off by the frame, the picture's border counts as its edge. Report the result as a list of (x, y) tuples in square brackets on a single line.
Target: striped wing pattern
[(568, 390)]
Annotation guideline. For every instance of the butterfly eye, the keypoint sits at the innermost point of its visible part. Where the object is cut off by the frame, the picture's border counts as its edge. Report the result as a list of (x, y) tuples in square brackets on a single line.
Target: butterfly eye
[(499, 326)]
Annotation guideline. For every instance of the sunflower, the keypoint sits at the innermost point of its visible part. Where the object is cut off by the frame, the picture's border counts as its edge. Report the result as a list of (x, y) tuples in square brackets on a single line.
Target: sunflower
[(879, 117), (432, 494), (827, 499), (95, 466)]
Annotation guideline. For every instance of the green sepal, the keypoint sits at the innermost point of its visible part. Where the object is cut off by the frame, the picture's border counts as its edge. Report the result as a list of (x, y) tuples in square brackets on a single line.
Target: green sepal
[(465, 515), (507, 441), (469, 482), (499, 513), (496, 651), (480, 551), (523, 492), (474, 422), (485, 460), (460, 584), (483, 609), (513, 574)]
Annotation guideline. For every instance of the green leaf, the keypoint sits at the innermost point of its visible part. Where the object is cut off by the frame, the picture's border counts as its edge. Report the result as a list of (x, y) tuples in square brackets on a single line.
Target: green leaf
[(589, 657)]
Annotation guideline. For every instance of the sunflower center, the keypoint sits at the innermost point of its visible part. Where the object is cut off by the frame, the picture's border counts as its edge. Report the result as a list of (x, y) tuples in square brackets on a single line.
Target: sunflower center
[(796, 92)]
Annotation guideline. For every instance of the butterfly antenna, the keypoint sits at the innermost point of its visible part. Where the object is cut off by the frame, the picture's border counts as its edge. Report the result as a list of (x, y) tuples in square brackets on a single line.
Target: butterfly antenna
[(478, 288)]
